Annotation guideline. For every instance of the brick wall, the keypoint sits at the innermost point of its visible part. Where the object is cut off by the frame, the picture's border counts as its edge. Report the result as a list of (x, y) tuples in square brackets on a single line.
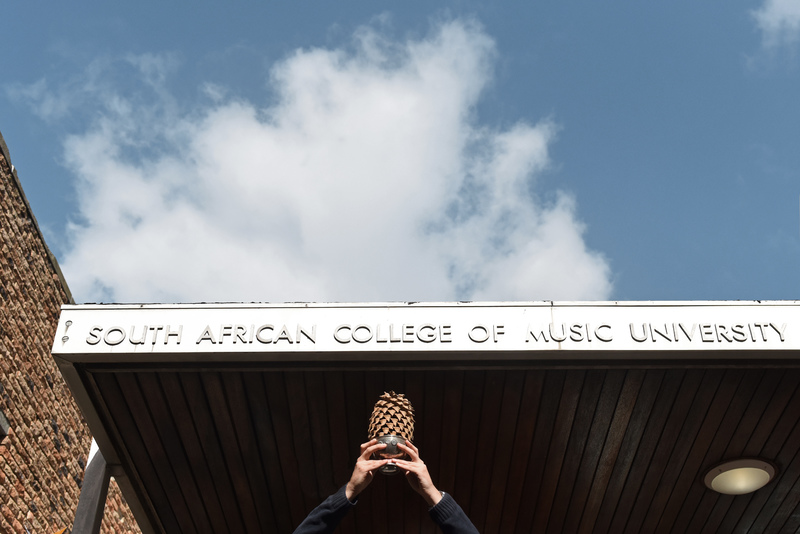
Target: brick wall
[(42, 459)]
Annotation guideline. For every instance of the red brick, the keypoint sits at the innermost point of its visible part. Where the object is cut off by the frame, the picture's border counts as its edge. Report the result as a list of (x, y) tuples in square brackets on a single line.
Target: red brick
[(32, 471)]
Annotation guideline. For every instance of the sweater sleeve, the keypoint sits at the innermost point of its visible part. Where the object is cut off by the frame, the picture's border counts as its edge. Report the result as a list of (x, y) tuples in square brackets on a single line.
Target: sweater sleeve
[(451, 518), (326, 517)]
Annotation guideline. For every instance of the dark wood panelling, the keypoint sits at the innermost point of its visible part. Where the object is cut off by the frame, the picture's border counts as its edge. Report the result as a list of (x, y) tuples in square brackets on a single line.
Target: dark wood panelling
[(526, 423), (598, 431), (176, 459), (268, 447), (707, 450), (610, 454), (453, 392), (468, 437), (198, 463), (580, 451), (759, 422), (221, 415), (291, 466), (487, 432), (567, 406), (211, 443), (144, 426), (135, 453), (545, 423), (522, 450), (250, 453), (504, 445)]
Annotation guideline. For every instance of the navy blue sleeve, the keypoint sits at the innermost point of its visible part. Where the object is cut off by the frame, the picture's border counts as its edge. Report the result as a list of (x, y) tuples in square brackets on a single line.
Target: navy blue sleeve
[(326, 517), (451, 518)]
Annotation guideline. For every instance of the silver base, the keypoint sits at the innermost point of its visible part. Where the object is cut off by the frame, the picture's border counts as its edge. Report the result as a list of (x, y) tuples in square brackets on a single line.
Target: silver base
[(391, 448), (389, 469)]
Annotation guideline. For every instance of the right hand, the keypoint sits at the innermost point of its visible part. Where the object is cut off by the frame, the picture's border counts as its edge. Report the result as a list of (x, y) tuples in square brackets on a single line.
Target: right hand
[(364, 469)]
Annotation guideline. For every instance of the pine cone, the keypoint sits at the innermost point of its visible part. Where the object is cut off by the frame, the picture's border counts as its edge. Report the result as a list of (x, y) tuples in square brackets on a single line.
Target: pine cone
[(392, 415)]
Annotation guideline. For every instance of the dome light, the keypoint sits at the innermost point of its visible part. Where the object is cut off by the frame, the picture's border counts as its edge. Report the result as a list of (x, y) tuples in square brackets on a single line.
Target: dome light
[(738, 477)]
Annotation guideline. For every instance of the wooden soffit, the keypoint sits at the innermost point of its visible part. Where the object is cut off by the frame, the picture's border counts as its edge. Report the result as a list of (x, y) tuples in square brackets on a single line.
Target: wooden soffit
[(537, 417)]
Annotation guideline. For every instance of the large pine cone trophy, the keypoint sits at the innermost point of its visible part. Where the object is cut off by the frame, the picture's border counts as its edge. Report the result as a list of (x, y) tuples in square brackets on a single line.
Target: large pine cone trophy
[(392, 415)]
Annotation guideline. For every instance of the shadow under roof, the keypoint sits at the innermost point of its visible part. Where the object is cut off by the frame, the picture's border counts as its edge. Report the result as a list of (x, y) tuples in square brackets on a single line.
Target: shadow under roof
[(611, 429)]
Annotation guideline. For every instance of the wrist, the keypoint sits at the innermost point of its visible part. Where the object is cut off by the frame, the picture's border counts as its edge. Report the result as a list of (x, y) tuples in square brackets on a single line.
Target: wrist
[(433, 496), (350, 492)]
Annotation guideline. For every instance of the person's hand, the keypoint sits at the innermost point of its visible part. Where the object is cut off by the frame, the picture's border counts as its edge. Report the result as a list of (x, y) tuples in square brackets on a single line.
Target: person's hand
[(417, 474), (363, 471)]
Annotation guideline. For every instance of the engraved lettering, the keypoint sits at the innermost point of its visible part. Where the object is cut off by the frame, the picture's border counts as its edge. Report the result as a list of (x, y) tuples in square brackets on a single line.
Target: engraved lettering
[(364, 336), (575, 332), (408, 333), (338, 333), (169, 333), (155, 330), (225, 330), (717, 333), (761, 329), (301, 332), (117, 338), (445, 334), (707, 333), (532, 334), (239, 333), (378, 337), (560, 338), (261, 330), (689, 335), (663, 333), (722, 333), (142, 337), (479, 334), (600, 336), (739, 333), (206, 336), (283, 335), (426, 333), (94, 335), (779, 331), (499, 330), (644, 333)]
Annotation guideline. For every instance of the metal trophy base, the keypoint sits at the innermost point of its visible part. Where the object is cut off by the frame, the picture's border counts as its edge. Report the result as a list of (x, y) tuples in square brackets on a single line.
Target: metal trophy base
[(390, 450)]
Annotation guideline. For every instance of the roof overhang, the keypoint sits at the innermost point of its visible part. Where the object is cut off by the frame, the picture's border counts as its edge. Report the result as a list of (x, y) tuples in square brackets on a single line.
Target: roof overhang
[(244, 416)]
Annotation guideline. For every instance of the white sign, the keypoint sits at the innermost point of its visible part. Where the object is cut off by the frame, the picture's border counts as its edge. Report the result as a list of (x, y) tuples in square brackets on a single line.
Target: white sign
[(520, 330)]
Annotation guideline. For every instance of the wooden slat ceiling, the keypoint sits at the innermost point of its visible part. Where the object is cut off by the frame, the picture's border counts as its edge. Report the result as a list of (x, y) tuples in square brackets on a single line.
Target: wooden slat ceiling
[(538, 449)]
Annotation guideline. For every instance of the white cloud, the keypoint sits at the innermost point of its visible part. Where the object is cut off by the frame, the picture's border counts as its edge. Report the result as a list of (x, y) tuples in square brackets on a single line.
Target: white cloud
[(368, 178), (779, 22), (46, 104)]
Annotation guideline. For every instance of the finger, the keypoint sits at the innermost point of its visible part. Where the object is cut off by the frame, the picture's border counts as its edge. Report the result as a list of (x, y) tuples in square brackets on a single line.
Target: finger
[(367, 444), (371, 465), (369, 451), (407, 466), (410, 446), (366, 452), (413, 453)]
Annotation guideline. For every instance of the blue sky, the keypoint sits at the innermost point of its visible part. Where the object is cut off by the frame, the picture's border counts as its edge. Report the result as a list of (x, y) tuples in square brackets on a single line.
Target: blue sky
[(416, 151)]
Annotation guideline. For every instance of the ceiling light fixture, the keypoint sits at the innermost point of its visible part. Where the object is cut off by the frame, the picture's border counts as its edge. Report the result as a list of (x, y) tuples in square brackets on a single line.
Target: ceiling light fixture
[(737, 477)]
